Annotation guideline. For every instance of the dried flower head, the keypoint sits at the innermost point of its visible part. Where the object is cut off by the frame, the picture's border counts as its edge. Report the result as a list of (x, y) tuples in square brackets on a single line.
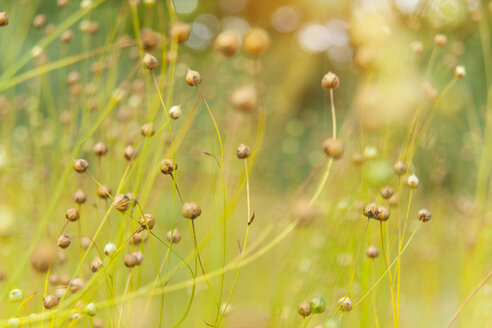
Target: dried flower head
[(121, 202), (191, 210), (424, 215), (227, 43), (72, 214), (174, 236), (256, 42), (304, 309), (330, 81), (104, 191), (413, 181), (333, 148), (147, 220), (79, 197), (168, 166), (63, 241), (383, 214), (147, 130), (96, 264), (80, 165), (193, 78), (149, 61), (4, 19), (180, 31), (50, 301), (387, 192), (150, 39), (372, 252), (100, 149), (400, 168), (243, 151), (345, 304), (371, 211)]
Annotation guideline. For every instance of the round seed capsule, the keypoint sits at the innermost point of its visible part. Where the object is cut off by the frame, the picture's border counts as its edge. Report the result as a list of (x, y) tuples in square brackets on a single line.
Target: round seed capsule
[(330, 81), (413, 181), (147, 220), (150, 39), (110, 249), (15, 295), (130, 153), (96, 264), (345, 304), (100, 149), (333, 148), (371, 211), (66, 36), (243, 151), (180, 31), (130, 260), (167, 166), (174, 236), (50, 301), (104, 191), (79, 197), (372, 252), (304, 309), (193, 78), (64, 241), (400, 168), (80, 165), (147, 130), (227, 43), (387, 192), (149, 61), (424, 215), (318, 304), (139, 257), (175, 112), (245, 98), (76, 285), (191, 210), (4, 19), (43, 257), (383, 214), (72, 214), (440, 40), (91, 309), (39, 21), (256, 42), (121, 202), (459, 72)]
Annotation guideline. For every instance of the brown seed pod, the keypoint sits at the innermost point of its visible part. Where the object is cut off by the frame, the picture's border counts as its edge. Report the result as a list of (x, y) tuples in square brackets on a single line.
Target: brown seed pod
[(147, 130), (191, 210), (193, 78), (104, 191), (149, 61), (130, 260), (304, 212), (4, 19), (76, 285), (139, 256), (54, 279), (79, 197), (243, 151), (80, 165), (345, 304), (39, 21), (121, 202), (424, 215), (150, 39), (180, 32), (440, 40), (330, 81), (66, 36), (100, 149), (72, 214), (168, 166), (43, 257), (400, 168), (370, 211), (244, 98), (304, 309), (50, 301), (383, 214), (96, 264), (138, 237), (173, 235), (130, 153), (256, 42), (372, 252), (333, 148), (63, 241), (147, 220), (85, 242), (387, 192), (227, 43)]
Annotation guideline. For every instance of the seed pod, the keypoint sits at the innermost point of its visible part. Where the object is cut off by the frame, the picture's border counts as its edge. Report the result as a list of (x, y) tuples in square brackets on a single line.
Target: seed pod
[(413, 181), (304, 309), (393, 201), (317, 304), (180, 31), (130, 260), (345, 304), (417, 47), (39, 21), (459, 72), (50, 301), (304, 212), (372, 252), (193, 78), (85, 242), (72, 214), (387, 192), (400, 168), (121, 202), (150, 39), (245, 98), (147, 130), (76, 284), (168, 166), (54, 279), (147, 220), (333, 148), (256, 42), (370, 211), (66, 36), (227, 43), (424, 215), (80, 165), (79, 197), (63, 241), (175, 112), (383, 214), (330, 81), (109, 249), (440, 40), (100, 149), (96, 264), (138, 256), (61, 257), (4, 19), (62, 3), (357, 158), (174, 236), (191, 210), (243, 151), (130, 153), (15, 295), (138, 237), (73, 78), (104, 191), (91, 309), (150, 62)]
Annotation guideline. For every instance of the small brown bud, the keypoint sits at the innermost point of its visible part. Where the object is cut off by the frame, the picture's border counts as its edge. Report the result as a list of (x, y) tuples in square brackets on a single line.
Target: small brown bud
[(121, 202), (243, 151), (180, 31), (39, 21), (50, 301), (150, 39), (80, 165), (147, 220), (227, 43), (104, 192), (130, 260), (400, 168), (370, 211), (149, 61), (304, 309), (139, 257), (193, 78), (256, 42), (330, 81), (167, 166), (96, 264), (130, 153), (66, 36), (387, 192), (174, 236), (100, 149), (147, 130), (383, 214), (191, 210), (63, 241), (79, 197), (372, 252), (72, 214), (333, 148), (440, 40), (424, 215), (4, 19)]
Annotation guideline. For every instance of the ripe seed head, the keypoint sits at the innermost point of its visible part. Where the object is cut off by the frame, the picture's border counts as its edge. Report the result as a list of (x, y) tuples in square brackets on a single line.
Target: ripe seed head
[(440, 40), (167, 166), (79, 197), (424, 215), (400, 168), (180, 31), (15, 295), (191, 210), (72, 214), (121, 202), (96, 264), (387, 192), (100, 149), (104, 191), (459, 72), (317, 304), (371, 211), (110, 249), (243, 151), (149, 61), (256, 42), (193, 78), (345, 304), (304, 309), (147, 220), (333, 148), (80, 165), (174, 236), (130, 260), (175, 112), (147, 130), (4, 19), (372, 252), (63, 241), (383, 214), (130, 153), (227, 43), (330, 81), (50, 301), (413, 181)]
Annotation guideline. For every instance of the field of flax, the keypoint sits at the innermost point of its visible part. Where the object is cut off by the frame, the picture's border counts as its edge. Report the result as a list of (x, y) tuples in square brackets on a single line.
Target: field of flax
[(245, 163)]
